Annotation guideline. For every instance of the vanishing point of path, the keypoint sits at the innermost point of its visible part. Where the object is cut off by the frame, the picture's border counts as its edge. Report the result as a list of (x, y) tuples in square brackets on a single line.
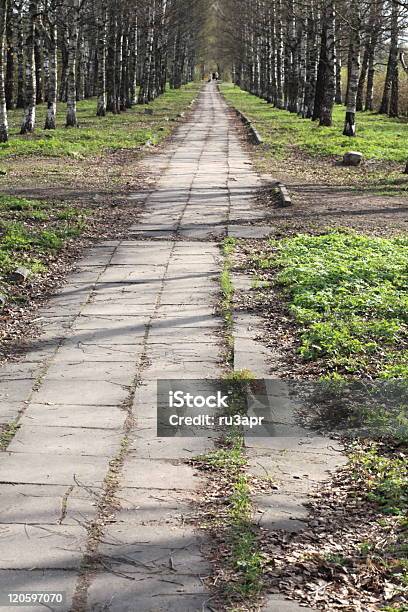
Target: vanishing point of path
[(92, 502)]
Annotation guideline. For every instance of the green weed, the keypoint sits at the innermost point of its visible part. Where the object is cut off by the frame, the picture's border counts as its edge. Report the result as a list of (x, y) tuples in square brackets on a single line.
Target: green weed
[(349, 294), (7, 433), (385, 479)]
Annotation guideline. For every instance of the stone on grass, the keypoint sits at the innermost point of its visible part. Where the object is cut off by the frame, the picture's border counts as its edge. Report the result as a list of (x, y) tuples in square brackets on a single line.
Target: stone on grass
[(20, 275), (352, 158)]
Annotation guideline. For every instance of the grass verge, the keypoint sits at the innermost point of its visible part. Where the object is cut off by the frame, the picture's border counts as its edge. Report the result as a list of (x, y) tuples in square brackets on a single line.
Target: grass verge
[(346, 294), (237, 558), (128, 130), (312, 153), (227, 291), (378, 137), (227, 505), (32, 232)]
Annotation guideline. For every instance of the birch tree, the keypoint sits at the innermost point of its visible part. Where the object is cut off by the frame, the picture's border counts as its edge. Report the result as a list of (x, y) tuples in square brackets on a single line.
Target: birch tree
[(3, 104), (354, 69), (101, 54), (10, 55), (73, 31), (329, 74), (28, 124), (52, 59), (389, 102)]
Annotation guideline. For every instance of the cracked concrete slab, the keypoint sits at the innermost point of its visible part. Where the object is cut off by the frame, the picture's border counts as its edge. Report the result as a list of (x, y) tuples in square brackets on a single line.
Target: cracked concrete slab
[(152, 506), (28, 504), (84, 392), (138, 546), (163, 593)]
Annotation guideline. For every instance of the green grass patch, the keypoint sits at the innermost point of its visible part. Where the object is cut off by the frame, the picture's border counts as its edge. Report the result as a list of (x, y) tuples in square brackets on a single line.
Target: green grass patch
[(7, 433), (349, 295), (385, 479), (228, 464), (227, 292), (95, 135), (31, 231), (244, 556), (378, 137), (227, 287)]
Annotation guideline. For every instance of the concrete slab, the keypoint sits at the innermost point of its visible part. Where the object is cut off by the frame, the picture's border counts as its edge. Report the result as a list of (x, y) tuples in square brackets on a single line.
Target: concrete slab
[(46, 505), (78, 441), (157, 547), (83, 393), (163, 593), (49, 580), (103, 417), (146, 507), (145, 444), (31, 468), (84, 351), (171, 475), (276, 603), (15, 390), (280, 511), (121, 372), (250, 231), (9, 411), (62, 546)]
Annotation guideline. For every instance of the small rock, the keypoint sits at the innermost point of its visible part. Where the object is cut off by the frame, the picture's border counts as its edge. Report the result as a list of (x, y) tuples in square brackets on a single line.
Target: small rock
[(3, 300), (352, 158), (20, 274), (149, 111), (3, 172)]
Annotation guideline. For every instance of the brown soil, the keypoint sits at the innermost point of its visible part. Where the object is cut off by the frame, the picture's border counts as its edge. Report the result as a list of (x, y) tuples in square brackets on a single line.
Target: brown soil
[(372, 198)]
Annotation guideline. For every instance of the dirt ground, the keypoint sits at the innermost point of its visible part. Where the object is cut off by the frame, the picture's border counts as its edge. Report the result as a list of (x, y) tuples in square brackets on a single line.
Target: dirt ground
[(372, 198)]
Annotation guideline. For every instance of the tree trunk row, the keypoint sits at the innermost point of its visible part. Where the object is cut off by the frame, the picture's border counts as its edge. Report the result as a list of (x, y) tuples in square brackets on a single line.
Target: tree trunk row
[(122, 52)]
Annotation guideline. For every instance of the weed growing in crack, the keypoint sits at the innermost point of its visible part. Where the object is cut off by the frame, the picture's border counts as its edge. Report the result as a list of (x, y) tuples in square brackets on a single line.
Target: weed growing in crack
[(7, 433)]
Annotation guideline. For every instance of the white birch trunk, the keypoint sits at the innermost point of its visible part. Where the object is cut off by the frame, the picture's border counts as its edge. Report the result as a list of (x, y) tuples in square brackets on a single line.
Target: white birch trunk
[(28, 124), (51, 118), (73, 17), (3, 105), (354, 70)]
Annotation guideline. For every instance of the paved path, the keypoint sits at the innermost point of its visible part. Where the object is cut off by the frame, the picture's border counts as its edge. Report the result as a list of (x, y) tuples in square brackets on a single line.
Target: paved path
[(135, 310)]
